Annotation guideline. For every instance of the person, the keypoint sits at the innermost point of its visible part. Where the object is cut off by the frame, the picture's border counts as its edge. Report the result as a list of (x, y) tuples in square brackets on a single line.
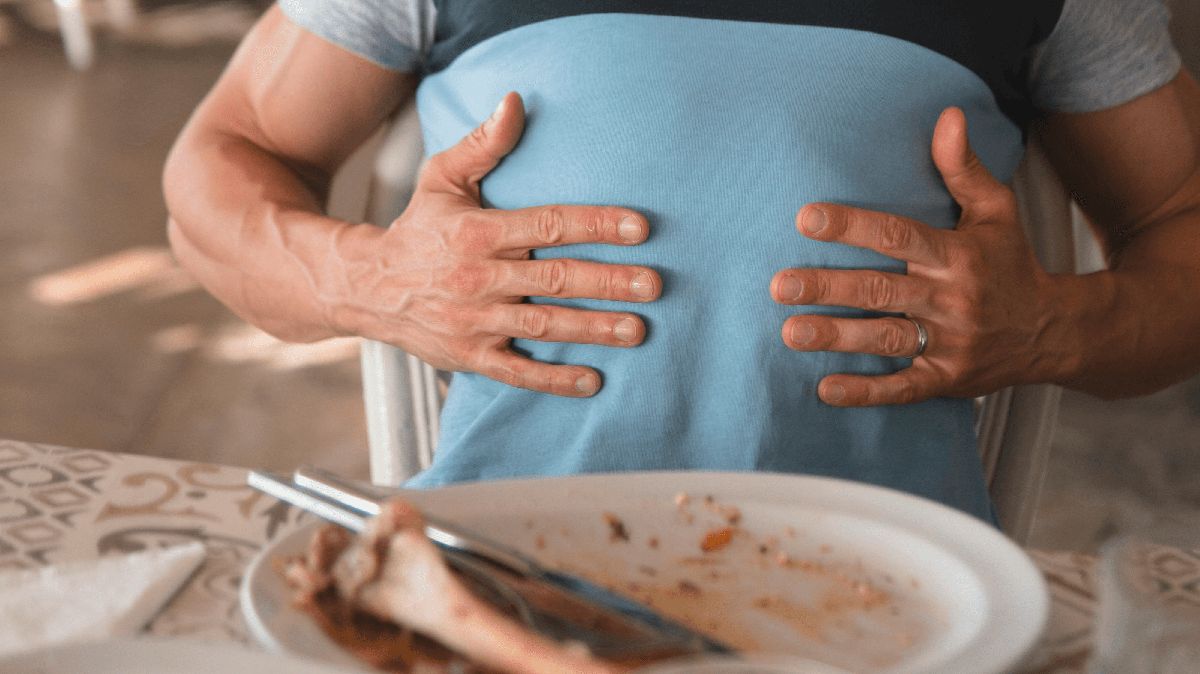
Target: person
[(626, 202)]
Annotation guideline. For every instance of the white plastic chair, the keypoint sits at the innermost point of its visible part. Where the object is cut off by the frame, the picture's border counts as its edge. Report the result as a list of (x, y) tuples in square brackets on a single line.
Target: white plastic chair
[(403, 395), (76, 33)]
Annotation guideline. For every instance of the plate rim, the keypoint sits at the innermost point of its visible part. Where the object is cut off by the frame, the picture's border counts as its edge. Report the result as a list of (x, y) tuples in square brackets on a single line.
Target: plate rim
[(154, 650)]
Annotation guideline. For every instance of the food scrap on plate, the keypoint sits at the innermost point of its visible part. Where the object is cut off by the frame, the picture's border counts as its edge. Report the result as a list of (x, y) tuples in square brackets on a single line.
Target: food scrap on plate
[(389, 598)]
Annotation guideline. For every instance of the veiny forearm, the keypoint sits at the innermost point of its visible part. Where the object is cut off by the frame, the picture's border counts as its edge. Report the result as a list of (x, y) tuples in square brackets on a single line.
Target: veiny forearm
[(247, 179), (250, 229)]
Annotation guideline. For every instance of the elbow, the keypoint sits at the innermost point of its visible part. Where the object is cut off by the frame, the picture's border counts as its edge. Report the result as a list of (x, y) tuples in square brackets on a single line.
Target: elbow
[(174, 169), (174, 189)]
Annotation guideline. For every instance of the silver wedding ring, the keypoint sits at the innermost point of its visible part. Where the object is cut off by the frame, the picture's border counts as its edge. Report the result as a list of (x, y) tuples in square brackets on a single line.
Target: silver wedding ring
[(922, 338)]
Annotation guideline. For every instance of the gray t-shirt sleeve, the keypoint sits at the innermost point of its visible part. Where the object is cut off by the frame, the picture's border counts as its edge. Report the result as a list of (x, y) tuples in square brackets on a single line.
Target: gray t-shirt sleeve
[(395, 34), (1103, 53)]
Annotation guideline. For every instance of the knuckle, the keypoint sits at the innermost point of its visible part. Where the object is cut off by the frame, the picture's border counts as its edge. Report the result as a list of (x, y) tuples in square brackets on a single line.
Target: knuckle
[(491, 363), (893, 340), (973, 310), (970, 266), (470, 233), (535, 322), (507, 375), (939, 250), (467, 280), (973, 258), (597, 224), (547, 226), (552, 278), (607, 286), (895, 234), (958, 305), (877, 291), (822, 287), (906, 395), (972, 163), (478, 137)]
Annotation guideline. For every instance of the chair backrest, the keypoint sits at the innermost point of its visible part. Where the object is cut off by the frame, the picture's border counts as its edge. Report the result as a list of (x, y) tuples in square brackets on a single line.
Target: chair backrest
[(403, 398), (403, 395)]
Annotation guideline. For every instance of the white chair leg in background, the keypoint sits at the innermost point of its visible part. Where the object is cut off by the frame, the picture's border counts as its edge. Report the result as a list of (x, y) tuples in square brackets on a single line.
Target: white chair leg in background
[(403, 400), (76, 36), (403, 395), (427, 401), (391, 424)]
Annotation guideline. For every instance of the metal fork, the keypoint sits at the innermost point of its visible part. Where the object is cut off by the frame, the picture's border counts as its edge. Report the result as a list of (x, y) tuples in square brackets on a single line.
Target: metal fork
[(561, 606)]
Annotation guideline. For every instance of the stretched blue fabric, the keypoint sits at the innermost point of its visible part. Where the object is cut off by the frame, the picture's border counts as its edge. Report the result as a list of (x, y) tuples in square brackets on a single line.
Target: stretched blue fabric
[(718, 131)]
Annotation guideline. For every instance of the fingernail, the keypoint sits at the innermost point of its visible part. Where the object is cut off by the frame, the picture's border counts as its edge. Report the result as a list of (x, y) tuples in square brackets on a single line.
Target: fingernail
[(496, 114), (790, 288), (586, 384), (814, 220), (630, 229), (625, 330), (642, 286), (834, 393), (802, 333)]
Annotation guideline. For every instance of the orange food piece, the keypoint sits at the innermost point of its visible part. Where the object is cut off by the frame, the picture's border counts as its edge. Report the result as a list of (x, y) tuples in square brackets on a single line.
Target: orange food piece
[(716, 539), (616, 528)]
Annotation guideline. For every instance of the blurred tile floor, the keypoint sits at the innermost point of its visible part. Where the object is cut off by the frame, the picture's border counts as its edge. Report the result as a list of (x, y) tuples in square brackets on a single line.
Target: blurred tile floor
[(105, 343)]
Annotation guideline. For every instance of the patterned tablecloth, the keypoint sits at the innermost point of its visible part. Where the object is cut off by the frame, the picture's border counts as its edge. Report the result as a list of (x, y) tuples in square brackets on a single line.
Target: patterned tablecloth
[(59, 504)]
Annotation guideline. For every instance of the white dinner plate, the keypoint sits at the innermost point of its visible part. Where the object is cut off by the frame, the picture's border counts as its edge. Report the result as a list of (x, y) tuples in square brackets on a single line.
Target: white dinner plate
[(150, 655), (870, 580)]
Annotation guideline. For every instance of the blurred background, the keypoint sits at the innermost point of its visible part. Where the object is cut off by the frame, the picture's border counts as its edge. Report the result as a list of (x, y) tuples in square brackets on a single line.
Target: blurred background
[(106, 343)]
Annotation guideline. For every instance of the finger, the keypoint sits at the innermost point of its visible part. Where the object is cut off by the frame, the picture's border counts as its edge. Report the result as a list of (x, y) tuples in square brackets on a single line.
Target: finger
[(548, 226), (567, 278), (967, 179), (895, 236), (565, 380), (459, 168), (862, 289), (909, 385), (892, 337), (547, 323)]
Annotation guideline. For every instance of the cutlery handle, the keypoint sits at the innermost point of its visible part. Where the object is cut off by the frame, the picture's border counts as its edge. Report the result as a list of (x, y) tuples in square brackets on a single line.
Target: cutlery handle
[(275, 485), (350, 504), (368, 501)]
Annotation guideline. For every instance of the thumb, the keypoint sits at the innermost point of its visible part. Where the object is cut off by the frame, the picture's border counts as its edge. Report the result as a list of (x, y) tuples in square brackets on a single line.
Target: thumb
[(969, 181), (462, 166)]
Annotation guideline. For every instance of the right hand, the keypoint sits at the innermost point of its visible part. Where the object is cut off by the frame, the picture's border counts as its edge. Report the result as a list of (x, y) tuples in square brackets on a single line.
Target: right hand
[(448, 280)]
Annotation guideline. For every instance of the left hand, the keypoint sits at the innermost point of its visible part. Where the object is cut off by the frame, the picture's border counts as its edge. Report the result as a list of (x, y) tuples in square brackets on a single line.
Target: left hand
[(978, 290)]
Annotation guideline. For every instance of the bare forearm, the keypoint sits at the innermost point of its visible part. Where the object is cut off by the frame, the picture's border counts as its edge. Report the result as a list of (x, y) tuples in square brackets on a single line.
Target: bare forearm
[(250, 229), (247, 179)]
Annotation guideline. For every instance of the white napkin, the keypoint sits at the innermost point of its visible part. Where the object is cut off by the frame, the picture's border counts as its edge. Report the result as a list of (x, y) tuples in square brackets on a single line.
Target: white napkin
[(90, 600)]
